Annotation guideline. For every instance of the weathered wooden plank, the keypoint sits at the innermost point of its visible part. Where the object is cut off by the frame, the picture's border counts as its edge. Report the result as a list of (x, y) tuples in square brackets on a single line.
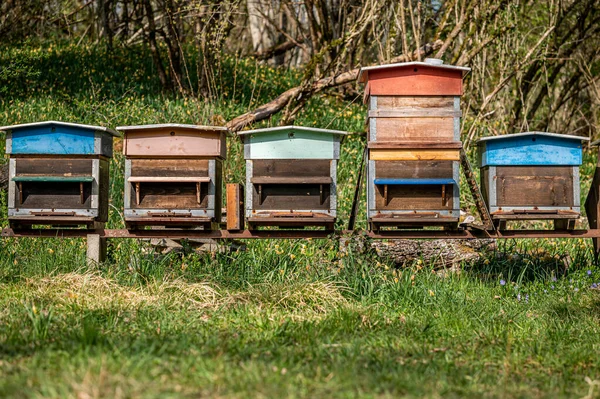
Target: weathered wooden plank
[(534, 186), (168, 179), (413, 169), (415, 113), (292, 180), (415, 129), (174, 142), (414, 145), (53, 166), (415, 102), (235, 206), (414, 155), (169, 167), (291, 167), (415, 81)]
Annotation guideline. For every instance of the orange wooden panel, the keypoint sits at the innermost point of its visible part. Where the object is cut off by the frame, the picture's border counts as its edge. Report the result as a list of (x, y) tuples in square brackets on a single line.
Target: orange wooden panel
[(175, 142), (415, 81), (417, 129), (235, 206)]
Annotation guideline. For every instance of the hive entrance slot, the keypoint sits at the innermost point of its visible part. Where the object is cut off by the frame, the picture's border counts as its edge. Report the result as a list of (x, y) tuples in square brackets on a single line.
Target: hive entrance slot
[(168, 193), (54, 192), (407, 184), (291, 196)]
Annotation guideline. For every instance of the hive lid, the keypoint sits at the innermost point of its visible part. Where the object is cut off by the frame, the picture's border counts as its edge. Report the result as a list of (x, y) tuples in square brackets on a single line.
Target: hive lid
[(429, 62), (292, 128), (525, 134), (68, 124), (167, 125)]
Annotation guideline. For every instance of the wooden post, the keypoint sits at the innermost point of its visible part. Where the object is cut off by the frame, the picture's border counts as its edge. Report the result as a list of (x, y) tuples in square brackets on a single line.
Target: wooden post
[(592, 209), (235, 206), (96, 249)]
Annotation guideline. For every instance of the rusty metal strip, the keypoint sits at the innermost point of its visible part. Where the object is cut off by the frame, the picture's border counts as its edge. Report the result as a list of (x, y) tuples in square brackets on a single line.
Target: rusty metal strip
[(298, 234)]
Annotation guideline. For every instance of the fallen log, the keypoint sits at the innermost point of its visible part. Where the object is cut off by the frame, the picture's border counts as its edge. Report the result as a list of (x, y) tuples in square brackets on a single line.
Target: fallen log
[(443, 253)]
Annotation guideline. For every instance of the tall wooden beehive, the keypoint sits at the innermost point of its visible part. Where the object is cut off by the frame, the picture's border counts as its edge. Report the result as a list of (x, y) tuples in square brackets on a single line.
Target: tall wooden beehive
[(413, 143), (531, 176), (291, 176), (58, 173), (173, 175)]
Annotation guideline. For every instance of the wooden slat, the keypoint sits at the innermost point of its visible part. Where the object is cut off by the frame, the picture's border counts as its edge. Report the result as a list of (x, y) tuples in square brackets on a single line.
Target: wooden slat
[(415, 102), (407, 182), (53, 179), (235, 206), (53, 166), (292, 180), (168, 179), (415, 145), (415, 113), (291, 167), (414, 155), (169, 167), (415, 129), (413, 169)]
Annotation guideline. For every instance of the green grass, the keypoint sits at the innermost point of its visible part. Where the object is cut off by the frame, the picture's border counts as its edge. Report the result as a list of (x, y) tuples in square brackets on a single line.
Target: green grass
[(300, 318)]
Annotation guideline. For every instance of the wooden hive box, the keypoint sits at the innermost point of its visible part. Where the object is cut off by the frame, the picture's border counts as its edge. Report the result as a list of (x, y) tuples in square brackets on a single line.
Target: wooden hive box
[(291, 176), (58, 173), (173, 175), (413, 143), (531, 176)]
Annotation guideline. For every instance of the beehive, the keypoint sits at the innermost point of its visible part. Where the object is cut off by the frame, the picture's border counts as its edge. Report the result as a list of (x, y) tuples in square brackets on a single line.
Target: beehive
[(531, 176), (413, 143), (291, 176), (173, 175), (58, 174)]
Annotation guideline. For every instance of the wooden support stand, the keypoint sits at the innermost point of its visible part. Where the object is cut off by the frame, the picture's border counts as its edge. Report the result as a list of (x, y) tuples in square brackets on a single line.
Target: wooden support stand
[(96, 249), (592, 209)]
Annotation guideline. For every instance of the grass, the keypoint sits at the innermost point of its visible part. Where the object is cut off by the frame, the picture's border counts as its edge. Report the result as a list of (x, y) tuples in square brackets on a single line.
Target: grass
[(300, 318)]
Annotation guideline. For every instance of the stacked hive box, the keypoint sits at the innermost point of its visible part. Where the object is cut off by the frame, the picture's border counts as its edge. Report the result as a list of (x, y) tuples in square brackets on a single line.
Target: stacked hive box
[(531, 176), (291, 176), (58, 174), (173, 175), (414, 144)]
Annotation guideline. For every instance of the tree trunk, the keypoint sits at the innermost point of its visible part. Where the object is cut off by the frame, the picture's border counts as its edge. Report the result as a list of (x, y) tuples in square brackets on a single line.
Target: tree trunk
[(151, 37)]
